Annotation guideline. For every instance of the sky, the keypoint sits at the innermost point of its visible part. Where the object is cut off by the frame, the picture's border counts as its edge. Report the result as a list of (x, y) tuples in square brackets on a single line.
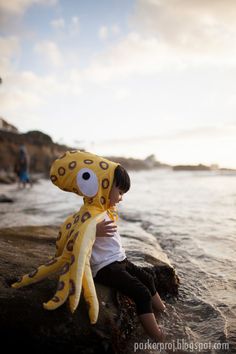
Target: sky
[(123, 77)]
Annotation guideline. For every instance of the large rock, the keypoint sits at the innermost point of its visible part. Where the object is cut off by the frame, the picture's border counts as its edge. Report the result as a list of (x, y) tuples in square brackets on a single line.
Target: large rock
[(24, 322), (5, 199)]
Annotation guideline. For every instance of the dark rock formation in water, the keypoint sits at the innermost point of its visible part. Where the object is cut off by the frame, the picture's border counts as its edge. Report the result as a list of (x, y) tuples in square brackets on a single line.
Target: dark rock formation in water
[(24, 321), (5, 199), (199, 167)]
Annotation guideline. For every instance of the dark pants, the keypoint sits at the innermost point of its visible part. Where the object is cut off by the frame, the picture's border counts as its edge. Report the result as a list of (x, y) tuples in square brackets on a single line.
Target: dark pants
[(130, 280)]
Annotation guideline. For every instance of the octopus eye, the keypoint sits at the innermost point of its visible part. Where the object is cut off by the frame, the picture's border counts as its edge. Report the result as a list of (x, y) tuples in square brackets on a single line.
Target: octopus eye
[(86, 176), (87, 182)]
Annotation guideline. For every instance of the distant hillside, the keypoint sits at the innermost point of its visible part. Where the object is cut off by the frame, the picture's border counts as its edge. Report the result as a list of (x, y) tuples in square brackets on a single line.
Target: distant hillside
[(199, 167), (42, 150), (138, 164), (4, 125)]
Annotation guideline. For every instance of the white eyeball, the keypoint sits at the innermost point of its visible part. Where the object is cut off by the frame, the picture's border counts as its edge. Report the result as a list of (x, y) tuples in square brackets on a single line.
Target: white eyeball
[(87, 182)]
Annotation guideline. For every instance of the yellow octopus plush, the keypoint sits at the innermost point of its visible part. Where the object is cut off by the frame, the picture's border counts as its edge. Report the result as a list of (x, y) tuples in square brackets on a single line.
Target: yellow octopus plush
[(90, 176)]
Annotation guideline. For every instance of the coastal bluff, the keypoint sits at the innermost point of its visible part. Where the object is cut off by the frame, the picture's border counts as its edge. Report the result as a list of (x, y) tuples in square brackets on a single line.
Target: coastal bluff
[(42, 150), (24, 321)]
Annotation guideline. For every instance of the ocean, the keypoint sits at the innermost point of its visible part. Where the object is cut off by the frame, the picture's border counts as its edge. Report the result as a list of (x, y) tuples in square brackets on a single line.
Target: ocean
[(192, 216)]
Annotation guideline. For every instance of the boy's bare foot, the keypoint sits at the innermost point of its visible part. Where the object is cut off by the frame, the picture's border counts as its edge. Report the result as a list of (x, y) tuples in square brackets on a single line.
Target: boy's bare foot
[(161, 336), (151, 327)]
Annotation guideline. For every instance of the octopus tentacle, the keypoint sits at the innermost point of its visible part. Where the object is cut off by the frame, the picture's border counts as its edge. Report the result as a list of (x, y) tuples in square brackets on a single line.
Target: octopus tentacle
[(76, 273), (82, 248), (90, 293), (62, 290), (64, 283), (41, 272), (66, 230)]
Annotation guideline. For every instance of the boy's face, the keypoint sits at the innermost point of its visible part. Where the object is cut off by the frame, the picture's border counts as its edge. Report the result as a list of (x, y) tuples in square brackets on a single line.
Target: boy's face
[(115, 195)]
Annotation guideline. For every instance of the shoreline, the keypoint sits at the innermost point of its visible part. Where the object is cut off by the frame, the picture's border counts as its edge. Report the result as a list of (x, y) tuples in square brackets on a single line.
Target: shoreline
[(9, 178)]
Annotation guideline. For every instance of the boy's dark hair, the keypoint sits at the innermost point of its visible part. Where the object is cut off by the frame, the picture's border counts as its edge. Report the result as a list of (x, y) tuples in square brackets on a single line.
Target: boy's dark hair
[(121, 179)]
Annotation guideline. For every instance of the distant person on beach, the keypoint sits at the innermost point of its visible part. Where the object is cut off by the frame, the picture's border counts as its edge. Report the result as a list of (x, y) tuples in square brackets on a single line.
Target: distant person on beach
[(22, 167)]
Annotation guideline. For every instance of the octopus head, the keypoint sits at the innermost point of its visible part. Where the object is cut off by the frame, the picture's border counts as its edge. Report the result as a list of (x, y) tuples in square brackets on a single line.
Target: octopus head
[(85, 174)]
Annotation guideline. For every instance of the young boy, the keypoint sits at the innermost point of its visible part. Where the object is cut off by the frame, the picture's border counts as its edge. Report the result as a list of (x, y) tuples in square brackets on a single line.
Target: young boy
[(110, 266), (101, 183)]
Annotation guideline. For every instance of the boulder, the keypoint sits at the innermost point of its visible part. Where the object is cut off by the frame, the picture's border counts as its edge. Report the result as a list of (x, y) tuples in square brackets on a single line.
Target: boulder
[(5, 199), (25, 323), (7, 178)]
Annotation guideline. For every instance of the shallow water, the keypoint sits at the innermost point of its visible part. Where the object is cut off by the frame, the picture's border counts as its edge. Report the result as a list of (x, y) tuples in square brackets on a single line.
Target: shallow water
[(192, 216)]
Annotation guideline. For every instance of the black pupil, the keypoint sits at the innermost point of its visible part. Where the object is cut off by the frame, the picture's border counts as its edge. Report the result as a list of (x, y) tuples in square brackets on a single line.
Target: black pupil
[(86, 175)]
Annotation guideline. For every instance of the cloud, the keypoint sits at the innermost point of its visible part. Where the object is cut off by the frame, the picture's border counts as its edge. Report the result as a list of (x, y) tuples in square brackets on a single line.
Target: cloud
[(133, 55), (103, 32), (201, 133), (30, 101), (50, 52), (13, 9), (58, 23), (23, 92), (121, 94), (220, 131), (71, 27), (26, 100), (169, 35), (26, 89), (115, 29), (9, 49), (74, 26), (19, 7), (22, 95), (204, 26)]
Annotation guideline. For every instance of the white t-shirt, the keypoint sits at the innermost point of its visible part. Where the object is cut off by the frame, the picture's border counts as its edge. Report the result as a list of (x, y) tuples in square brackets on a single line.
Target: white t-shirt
[(106, 250)]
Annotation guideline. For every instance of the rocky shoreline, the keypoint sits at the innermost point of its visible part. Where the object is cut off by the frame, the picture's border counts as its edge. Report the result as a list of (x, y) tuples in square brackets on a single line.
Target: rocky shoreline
[(23, 319)]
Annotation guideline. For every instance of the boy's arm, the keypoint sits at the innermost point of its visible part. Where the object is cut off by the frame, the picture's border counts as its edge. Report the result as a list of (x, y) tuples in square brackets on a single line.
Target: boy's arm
[(106, 228)]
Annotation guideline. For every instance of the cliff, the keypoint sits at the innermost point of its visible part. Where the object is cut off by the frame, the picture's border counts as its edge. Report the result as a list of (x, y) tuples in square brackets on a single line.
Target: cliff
[(5, 126), (42, 150)]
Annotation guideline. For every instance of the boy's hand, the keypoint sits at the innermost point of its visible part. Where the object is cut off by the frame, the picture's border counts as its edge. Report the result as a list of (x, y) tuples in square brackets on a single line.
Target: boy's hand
[(105, 229)]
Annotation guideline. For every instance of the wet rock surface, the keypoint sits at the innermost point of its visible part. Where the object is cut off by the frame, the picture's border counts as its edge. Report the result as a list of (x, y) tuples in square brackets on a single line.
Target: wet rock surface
[(24, 321), (5, 199)]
